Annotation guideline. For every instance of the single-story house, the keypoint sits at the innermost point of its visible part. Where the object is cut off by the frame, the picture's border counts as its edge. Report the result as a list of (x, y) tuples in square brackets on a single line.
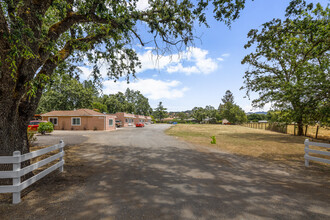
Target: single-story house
[(125, 119), (80, 119)]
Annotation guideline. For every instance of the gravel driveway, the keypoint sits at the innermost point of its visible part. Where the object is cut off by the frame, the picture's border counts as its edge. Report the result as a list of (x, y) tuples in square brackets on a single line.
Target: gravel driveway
[(141, 173)]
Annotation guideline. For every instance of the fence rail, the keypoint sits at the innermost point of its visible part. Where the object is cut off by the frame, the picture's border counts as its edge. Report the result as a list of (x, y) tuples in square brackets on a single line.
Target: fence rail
[(317, 131), (308, 150), (17, 172)]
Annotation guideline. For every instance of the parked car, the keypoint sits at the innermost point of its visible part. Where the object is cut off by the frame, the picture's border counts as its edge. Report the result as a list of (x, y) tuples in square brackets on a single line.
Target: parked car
[(139, 124), (33, 126), (118, 124)]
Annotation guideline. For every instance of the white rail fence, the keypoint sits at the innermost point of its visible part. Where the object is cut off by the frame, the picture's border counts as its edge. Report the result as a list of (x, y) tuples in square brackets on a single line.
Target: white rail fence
[(17, 172), (308, 150)]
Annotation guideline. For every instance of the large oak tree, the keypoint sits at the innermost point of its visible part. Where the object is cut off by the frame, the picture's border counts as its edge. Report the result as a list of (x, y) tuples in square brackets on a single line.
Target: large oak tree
[(290, 65), (38, 36)]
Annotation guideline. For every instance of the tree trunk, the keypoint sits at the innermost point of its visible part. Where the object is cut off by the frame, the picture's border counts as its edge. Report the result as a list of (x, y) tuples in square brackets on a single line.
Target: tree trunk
[(15, 114), (13, 132), (300, 128), (13, 137)]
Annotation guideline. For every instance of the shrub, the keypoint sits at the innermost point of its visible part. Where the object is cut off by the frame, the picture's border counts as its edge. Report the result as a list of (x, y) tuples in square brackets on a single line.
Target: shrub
[(214, 141), (31, 137), (45, 127)]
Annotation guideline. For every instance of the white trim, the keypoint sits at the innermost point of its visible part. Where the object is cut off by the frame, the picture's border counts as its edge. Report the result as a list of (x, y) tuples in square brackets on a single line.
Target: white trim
[(72, 121), (56, 120)]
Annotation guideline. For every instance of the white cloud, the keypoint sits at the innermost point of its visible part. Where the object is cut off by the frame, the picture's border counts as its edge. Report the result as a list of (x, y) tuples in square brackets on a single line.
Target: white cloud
[(142, 5), (151, 88), (225, 55), (220, 59), (192, 61), (179, 68), (152, 61), (86, 72)]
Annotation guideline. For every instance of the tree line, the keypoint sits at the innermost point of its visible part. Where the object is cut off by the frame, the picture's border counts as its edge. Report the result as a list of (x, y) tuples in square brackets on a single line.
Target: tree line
[(226, 110), (67, 93)]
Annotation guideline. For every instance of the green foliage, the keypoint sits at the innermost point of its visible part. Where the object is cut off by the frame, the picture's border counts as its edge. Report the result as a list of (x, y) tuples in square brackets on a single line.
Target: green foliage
[(45, 127), (51, 33), (208, 114), (290, 65), (131, 102), (283, 116), (97, 106), (31, 137), (182, 116), (228, 97), (233, 113), (160, 112), (230, 111), (213, 141), (256, 117), (67, 93), (199, 114), (153, 119)]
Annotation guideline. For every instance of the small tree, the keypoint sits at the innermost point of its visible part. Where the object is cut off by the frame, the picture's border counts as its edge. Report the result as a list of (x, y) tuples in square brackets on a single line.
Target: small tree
[(45, 127), (228, 97), (233, 113), (160, 112)]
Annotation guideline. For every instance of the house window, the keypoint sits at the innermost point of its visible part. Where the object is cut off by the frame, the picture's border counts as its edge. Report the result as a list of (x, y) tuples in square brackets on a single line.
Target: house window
[(53, 120), (75, 121), (110, 122), (126, 120)]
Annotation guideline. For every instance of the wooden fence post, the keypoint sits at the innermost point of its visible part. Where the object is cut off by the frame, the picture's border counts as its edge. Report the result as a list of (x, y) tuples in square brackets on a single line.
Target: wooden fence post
[(61, 158), (306, 152), (16, 180), (317, 131), (294, 129)]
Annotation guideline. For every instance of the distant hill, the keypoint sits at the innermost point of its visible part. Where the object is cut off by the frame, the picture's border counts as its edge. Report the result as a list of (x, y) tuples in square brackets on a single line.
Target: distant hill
[(259, 113)]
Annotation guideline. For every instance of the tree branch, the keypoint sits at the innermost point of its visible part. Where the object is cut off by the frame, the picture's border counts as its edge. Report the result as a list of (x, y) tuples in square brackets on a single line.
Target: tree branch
[(3, 31), (73, 18), (138, 37)]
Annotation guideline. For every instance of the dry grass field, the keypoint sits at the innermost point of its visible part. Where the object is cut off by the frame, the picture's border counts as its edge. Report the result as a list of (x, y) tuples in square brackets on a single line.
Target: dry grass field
[(245, 141), (323, 132)]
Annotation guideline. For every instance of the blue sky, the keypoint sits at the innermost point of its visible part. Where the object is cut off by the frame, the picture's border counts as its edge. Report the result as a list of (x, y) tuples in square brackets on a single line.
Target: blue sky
[(200, 75)]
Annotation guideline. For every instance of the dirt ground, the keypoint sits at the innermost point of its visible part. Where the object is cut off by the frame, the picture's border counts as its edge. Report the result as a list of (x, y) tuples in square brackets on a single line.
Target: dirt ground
[(141, 173)]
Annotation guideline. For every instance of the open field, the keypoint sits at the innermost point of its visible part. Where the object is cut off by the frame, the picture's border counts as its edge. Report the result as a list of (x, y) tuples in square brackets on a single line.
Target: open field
[(251, 142)]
